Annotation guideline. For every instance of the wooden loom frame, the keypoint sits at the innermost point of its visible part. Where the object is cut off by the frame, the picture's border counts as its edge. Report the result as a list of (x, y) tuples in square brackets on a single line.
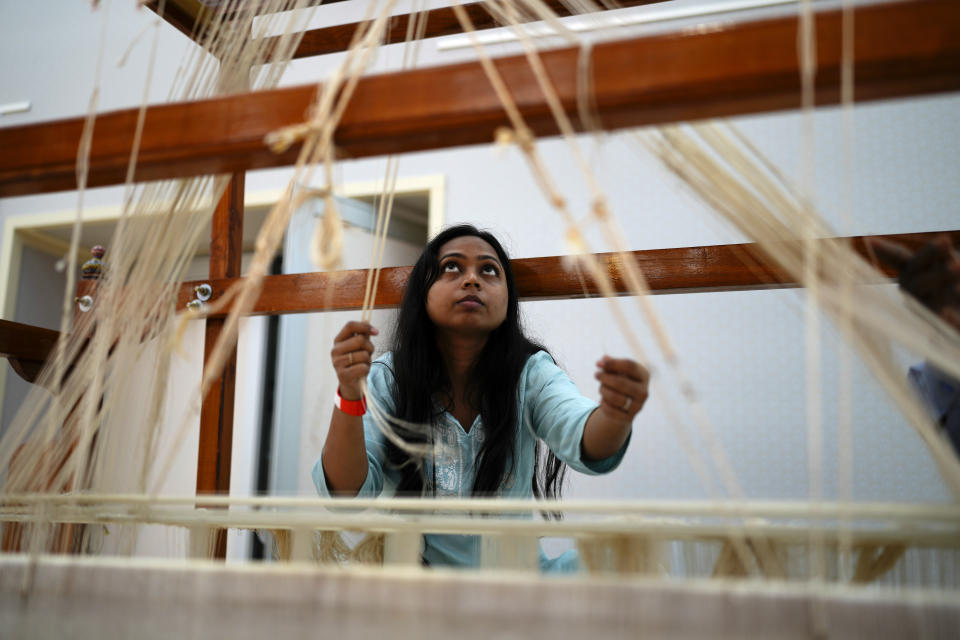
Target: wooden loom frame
[(903, 49)]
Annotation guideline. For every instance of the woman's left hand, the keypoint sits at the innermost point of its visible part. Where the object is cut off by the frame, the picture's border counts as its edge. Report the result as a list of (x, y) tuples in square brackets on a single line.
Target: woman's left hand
[(623, 387)]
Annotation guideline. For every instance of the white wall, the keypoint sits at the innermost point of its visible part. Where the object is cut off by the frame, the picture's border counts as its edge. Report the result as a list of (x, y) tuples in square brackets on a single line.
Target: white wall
[(744, 351), (39, 302)]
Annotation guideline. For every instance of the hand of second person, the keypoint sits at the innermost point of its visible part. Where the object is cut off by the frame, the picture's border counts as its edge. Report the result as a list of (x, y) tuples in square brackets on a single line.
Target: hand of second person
[(351, 354), (623, 387), (931, 274)]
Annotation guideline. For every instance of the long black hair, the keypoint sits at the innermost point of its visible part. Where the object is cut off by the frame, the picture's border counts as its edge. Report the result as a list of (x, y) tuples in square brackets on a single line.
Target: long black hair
[(421, 377)]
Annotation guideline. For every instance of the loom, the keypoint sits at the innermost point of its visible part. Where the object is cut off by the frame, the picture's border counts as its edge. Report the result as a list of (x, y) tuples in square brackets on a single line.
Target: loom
[(764, 556)]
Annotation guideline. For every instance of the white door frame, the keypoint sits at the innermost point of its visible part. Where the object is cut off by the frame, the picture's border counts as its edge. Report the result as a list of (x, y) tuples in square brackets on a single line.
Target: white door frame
[(31, 230)]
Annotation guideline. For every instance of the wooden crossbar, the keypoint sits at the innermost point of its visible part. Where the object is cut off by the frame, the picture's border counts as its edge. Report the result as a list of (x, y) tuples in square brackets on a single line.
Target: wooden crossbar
[(439, 22), (731, 267), (903, 49), (190, 16)]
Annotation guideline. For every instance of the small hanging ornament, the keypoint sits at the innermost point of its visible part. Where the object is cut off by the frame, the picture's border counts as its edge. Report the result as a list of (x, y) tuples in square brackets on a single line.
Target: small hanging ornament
[(93, 267)]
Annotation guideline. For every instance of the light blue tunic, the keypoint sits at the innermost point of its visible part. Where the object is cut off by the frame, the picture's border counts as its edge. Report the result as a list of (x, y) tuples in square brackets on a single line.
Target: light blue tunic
[(551, 409)]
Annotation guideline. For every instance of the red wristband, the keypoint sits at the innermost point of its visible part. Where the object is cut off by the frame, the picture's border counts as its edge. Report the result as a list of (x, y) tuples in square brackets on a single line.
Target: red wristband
[(351, 407)]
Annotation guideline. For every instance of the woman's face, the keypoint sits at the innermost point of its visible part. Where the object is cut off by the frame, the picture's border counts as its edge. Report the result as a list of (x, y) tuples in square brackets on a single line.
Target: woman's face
[(470, 294)]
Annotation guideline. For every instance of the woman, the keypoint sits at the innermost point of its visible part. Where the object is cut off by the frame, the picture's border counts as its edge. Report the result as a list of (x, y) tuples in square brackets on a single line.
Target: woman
[(487, 395)]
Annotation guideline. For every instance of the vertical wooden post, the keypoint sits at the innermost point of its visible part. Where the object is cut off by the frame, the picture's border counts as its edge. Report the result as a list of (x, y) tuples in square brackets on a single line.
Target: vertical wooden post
[(226, 250), (216, 412)]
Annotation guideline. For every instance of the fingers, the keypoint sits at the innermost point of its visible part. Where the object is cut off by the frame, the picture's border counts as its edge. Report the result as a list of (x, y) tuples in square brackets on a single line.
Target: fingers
[(952, 317), (359, 343), (351, 359), (930, 255), (931, 273), (351, 356), (619, 406), (624, 397), (889, 252), (355, 327), (624, 366), (931, 277), (623, 387), (355, 351)]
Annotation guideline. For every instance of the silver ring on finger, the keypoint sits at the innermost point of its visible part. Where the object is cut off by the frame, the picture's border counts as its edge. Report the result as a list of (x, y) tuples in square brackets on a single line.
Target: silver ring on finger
[(626, 405), (350, 358)]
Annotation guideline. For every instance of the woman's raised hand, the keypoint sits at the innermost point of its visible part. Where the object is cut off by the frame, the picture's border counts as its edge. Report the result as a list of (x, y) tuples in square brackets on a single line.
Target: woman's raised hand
[(351, 354), (623, 387)]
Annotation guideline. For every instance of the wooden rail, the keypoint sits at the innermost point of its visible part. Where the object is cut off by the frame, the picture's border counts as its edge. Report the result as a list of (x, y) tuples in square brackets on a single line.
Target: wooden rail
[(439, 22), (27, 347), (731, 267), (903, 49), (190, 16)]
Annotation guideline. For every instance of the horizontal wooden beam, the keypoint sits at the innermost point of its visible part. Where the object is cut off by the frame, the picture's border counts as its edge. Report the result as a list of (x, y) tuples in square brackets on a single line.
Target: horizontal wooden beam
[(26, 347), (26, 342), (733, 267), (438, 22), (190, 16), (902, 49), (184, 15)]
